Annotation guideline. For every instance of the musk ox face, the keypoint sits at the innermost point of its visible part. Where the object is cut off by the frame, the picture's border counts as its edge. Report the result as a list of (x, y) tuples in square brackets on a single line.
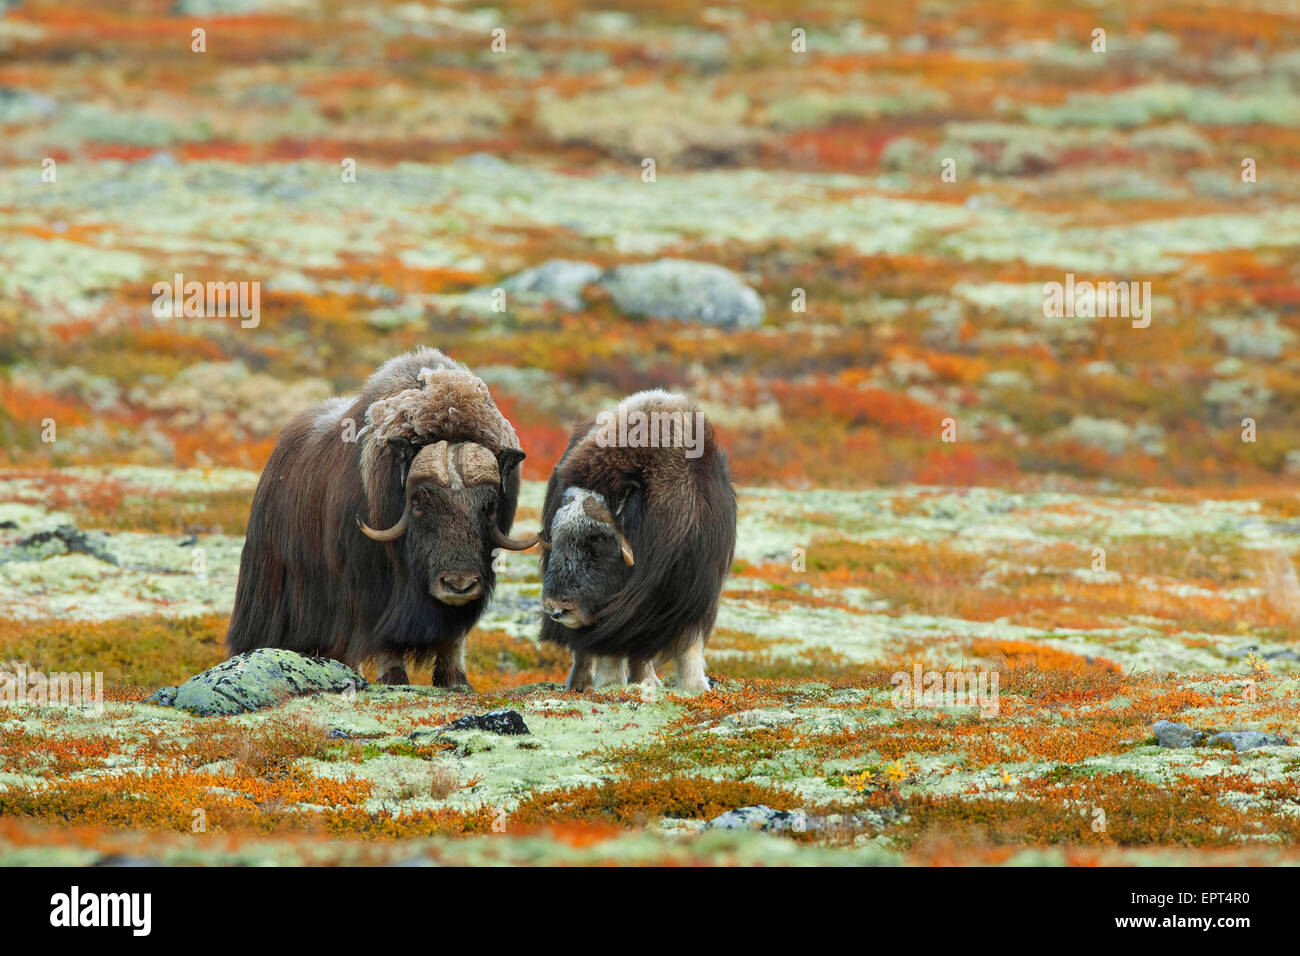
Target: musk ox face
[(450, 522), (590, 559), (449, 540)]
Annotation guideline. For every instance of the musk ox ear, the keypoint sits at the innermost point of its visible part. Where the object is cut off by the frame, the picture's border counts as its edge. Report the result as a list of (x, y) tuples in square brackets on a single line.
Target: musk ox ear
[(402, 450), (509, 458)]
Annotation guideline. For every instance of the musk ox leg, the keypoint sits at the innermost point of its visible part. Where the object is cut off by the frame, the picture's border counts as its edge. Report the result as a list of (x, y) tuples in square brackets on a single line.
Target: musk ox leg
[(641, 670), (449, 666), (583, 675), (690, 667), (391, 668), (610, 672)]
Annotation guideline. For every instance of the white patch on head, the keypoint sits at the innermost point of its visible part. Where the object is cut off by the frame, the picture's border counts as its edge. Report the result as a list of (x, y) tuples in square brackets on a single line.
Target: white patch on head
[(572, 520)]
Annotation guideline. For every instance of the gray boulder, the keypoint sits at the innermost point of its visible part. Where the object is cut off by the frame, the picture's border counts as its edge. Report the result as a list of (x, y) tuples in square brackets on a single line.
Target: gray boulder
[(1172, 734), (667, 289), (681, 289), (560, 281), (261, 678)]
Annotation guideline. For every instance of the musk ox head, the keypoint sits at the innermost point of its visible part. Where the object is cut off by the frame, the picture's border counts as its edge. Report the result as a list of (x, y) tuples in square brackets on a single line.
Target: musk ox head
[(590, 558), (449, 523)]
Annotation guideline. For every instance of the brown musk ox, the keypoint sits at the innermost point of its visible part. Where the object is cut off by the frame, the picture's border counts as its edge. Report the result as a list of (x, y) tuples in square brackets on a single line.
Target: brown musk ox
[(639, 529), (434, 467)]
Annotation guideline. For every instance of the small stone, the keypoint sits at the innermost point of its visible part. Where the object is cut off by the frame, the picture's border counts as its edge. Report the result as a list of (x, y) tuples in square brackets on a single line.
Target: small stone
[(126, 860), (763, 817), (1172, 734), (65, 539), (766, 717), (507, 722), (1246, 740)]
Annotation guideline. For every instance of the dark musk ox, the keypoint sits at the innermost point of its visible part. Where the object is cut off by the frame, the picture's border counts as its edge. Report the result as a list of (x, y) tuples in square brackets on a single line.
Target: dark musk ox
[(423, 454), (639, 529)]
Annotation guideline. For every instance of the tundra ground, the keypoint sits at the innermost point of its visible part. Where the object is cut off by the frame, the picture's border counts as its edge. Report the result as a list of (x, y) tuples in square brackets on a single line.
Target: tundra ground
[(1190, 620)]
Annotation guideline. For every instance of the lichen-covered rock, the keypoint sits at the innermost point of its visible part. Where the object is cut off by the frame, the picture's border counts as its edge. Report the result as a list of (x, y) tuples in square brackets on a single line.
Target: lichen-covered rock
[(261, 678), (760, 817), (560, 281), (65, 539), (681, 289), (1246, 740), (764, 818), (1170, 733)]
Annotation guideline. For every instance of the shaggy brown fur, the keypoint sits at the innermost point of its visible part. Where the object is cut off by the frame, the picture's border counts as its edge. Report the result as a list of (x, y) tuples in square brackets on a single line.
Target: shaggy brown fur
[(310, 581), (678, 514)]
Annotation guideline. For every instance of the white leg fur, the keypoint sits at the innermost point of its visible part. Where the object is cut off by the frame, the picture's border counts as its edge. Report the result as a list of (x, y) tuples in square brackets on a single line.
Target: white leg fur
[(690, 667), (610, 672)]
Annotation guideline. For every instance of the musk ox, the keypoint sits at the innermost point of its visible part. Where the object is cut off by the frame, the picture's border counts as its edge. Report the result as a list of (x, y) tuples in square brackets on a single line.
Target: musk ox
[(638, 529), (435, 466)]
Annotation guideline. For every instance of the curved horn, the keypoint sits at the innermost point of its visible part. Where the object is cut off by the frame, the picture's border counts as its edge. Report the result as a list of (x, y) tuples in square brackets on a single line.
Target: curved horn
[(393, 533), (511, 544), (597, 510), (429, 463)]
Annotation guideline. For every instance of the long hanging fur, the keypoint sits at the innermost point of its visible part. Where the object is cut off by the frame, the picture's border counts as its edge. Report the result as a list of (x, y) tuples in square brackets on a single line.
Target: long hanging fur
[(309, 580), (681, 525)]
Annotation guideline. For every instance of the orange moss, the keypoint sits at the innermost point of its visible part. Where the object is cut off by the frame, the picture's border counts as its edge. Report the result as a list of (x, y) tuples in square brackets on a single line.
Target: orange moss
[(1013, 654), (637, 802)]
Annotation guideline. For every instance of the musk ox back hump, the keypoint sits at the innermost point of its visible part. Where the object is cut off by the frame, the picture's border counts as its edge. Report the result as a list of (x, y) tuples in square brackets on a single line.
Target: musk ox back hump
[(655, 461)]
